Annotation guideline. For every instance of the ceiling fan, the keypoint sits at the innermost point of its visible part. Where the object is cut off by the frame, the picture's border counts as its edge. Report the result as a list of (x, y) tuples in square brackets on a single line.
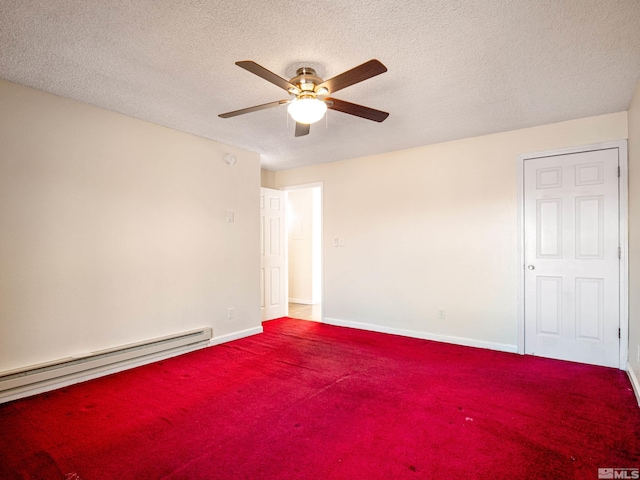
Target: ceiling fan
[(310, 94)]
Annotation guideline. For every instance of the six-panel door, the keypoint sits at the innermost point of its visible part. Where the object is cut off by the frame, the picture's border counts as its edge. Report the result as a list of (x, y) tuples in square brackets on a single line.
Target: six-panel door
[(272, 254), (571, 257)]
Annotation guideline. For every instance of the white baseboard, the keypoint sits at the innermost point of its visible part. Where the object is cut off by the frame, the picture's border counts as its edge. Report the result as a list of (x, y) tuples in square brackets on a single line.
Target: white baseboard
[(235, 336), (467, 342), (634, 382)]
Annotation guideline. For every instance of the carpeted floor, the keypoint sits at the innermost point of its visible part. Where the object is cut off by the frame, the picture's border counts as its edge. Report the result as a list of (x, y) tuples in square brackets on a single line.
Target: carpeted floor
[(311, 401)]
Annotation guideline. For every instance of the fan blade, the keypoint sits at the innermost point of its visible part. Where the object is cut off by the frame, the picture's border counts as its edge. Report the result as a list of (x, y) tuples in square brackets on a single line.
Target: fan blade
[(302, 129), (357, 110), (252, 109), (262, 72), (358, 74)]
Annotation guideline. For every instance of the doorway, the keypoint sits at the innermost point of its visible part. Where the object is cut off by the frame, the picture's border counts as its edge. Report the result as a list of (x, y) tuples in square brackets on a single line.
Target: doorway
[(304, 251), (573, 255)]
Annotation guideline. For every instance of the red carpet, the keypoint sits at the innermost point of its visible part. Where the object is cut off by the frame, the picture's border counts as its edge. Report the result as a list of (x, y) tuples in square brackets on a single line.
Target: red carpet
[(312, 401)]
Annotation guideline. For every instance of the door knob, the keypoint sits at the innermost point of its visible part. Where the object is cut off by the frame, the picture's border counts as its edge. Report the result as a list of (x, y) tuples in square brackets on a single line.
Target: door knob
[(531, 267)]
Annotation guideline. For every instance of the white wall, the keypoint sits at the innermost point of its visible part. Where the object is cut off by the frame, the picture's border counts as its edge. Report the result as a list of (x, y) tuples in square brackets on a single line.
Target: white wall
[(634, 237), (434, 227), (113, 230), (303, 230), (300, 245)]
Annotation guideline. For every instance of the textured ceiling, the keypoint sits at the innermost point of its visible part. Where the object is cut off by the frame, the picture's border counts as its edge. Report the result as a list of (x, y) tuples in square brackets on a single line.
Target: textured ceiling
[(456, 68)]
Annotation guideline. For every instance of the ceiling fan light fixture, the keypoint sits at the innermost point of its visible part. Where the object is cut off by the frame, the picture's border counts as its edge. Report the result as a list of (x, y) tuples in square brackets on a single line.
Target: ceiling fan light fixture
[(307, 110), (310, 98)]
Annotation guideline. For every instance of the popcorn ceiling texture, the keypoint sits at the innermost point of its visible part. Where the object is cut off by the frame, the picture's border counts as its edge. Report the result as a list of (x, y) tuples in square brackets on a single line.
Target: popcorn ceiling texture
[(456, 68)]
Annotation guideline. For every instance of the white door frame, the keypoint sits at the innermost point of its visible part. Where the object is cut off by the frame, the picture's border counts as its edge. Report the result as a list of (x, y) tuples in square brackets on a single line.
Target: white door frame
[(301, 187), (623, 193)]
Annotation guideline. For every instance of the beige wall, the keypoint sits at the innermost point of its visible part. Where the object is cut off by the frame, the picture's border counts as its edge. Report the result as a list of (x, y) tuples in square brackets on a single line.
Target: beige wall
[(434, 227), (301, 232), (114, 231), (634, 235), (267, 178)]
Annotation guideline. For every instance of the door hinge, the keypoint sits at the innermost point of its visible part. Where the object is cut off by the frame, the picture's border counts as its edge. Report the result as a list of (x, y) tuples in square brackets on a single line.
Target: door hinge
[(618, 172), (619, 252), (618, 333)]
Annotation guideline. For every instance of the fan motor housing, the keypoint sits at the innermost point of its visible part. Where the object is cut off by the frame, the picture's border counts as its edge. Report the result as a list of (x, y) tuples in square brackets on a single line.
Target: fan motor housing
[(306, 79)]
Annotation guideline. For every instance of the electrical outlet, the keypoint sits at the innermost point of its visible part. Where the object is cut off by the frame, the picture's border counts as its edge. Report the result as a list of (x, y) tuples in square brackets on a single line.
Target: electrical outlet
[(442, 314), (230, 313)]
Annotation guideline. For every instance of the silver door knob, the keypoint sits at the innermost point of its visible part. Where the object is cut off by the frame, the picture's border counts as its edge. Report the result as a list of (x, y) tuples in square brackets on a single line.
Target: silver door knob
[(531, 267)]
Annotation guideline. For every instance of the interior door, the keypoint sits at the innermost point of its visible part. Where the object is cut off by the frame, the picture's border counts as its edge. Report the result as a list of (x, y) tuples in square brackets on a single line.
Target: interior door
[(272, 254), (571, 234)]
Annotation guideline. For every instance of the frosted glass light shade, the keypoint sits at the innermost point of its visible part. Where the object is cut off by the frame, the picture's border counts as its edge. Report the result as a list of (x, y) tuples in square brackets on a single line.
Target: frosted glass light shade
[(307, 110)]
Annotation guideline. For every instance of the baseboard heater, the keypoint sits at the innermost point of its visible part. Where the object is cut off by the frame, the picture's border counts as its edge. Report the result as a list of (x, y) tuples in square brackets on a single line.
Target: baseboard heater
[(47, 376)]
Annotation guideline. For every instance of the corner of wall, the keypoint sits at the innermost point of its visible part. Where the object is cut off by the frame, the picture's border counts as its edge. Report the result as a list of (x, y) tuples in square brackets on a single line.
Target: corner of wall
[(267, 178), (633, 118)]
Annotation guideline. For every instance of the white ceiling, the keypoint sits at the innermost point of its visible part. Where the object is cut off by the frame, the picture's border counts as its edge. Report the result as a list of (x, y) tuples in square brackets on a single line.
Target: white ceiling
[(456, 68)]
